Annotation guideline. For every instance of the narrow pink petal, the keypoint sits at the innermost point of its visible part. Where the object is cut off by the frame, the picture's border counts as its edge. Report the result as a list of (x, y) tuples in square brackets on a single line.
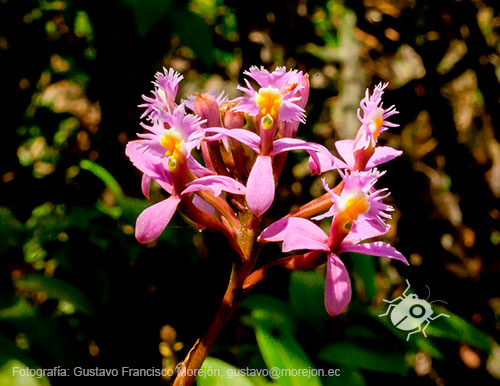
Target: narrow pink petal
[(288, 144), (149, 164), (153, 220), (260, 185), (330, 213), (197, 168), (363, 230), (337, 286), (321, 159), (378, 248), (345, 149), (215, 184), (381, 155), (246, 137), (200, 203), (325, 161), (145, 185), (296, 233)]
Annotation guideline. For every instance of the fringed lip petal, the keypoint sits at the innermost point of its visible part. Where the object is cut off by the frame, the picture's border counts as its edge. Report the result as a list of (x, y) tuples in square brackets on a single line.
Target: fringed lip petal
[(153, 220), (296, 233), (381, 155), (378, 248), (260, 185), (246, 137), (216, 184), (337, 286)]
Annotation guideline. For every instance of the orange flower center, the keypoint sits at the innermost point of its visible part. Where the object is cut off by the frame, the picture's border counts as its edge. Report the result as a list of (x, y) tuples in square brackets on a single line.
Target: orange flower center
[(354, 207)]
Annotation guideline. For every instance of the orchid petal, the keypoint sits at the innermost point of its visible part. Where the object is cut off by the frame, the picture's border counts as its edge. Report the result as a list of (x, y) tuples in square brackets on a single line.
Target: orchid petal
[(381, 155), (330, 213), (345, 149), (337, 286), (260, 185), (378, 248), (145, 185), (246, 137), (216, 184), (321, 158), (296, 233), (198, 169), (363, 230), (200, 203), (153, 220), (150, 165)]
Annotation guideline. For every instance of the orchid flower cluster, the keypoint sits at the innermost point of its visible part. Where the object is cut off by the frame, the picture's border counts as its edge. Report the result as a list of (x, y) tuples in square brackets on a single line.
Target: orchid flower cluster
[(220, 161)]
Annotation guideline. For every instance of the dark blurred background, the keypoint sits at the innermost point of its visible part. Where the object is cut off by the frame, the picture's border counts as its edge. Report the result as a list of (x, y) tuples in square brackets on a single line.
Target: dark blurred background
[(77, 289)]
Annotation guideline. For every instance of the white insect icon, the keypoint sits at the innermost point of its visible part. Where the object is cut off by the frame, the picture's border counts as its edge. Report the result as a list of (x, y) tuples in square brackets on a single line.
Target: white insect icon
[(411, 312)]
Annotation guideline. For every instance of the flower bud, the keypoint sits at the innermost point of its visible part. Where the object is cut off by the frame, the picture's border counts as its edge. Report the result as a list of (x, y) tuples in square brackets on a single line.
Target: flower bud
[(234, 119), (206, 107)]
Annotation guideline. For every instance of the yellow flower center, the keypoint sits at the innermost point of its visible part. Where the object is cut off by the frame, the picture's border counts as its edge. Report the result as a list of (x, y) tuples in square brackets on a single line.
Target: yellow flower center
[(269, 101), (174, 148), (355, 206)]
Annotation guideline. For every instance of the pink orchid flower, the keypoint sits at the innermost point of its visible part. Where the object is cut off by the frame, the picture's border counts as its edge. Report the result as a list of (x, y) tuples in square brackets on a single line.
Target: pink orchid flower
[(276, 98), (357, 216), (362, 153), (153, 220), (261, 183), (279, 99), (163, 154), (164, 94)]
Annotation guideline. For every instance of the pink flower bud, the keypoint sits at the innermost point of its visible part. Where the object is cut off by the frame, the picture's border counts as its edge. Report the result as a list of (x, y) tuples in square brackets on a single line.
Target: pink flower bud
[(234, 119), (206, 107)]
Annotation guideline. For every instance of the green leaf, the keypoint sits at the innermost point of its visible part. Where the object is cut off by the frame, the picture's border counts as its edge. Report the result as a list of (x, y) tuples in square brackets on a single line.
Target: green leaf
[(131, 208), (350, 377), (282, 352), (148, 12), (194, 33), (20, 310), (273, 324), (351, 355), (307, 292), (12, 230), (216, 372), (458, 329), (12, 357), (268, 312), (454, 328), (72, 298), (427, 346), (104, 176), (364, 267), (11, 375), (9, 350)]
